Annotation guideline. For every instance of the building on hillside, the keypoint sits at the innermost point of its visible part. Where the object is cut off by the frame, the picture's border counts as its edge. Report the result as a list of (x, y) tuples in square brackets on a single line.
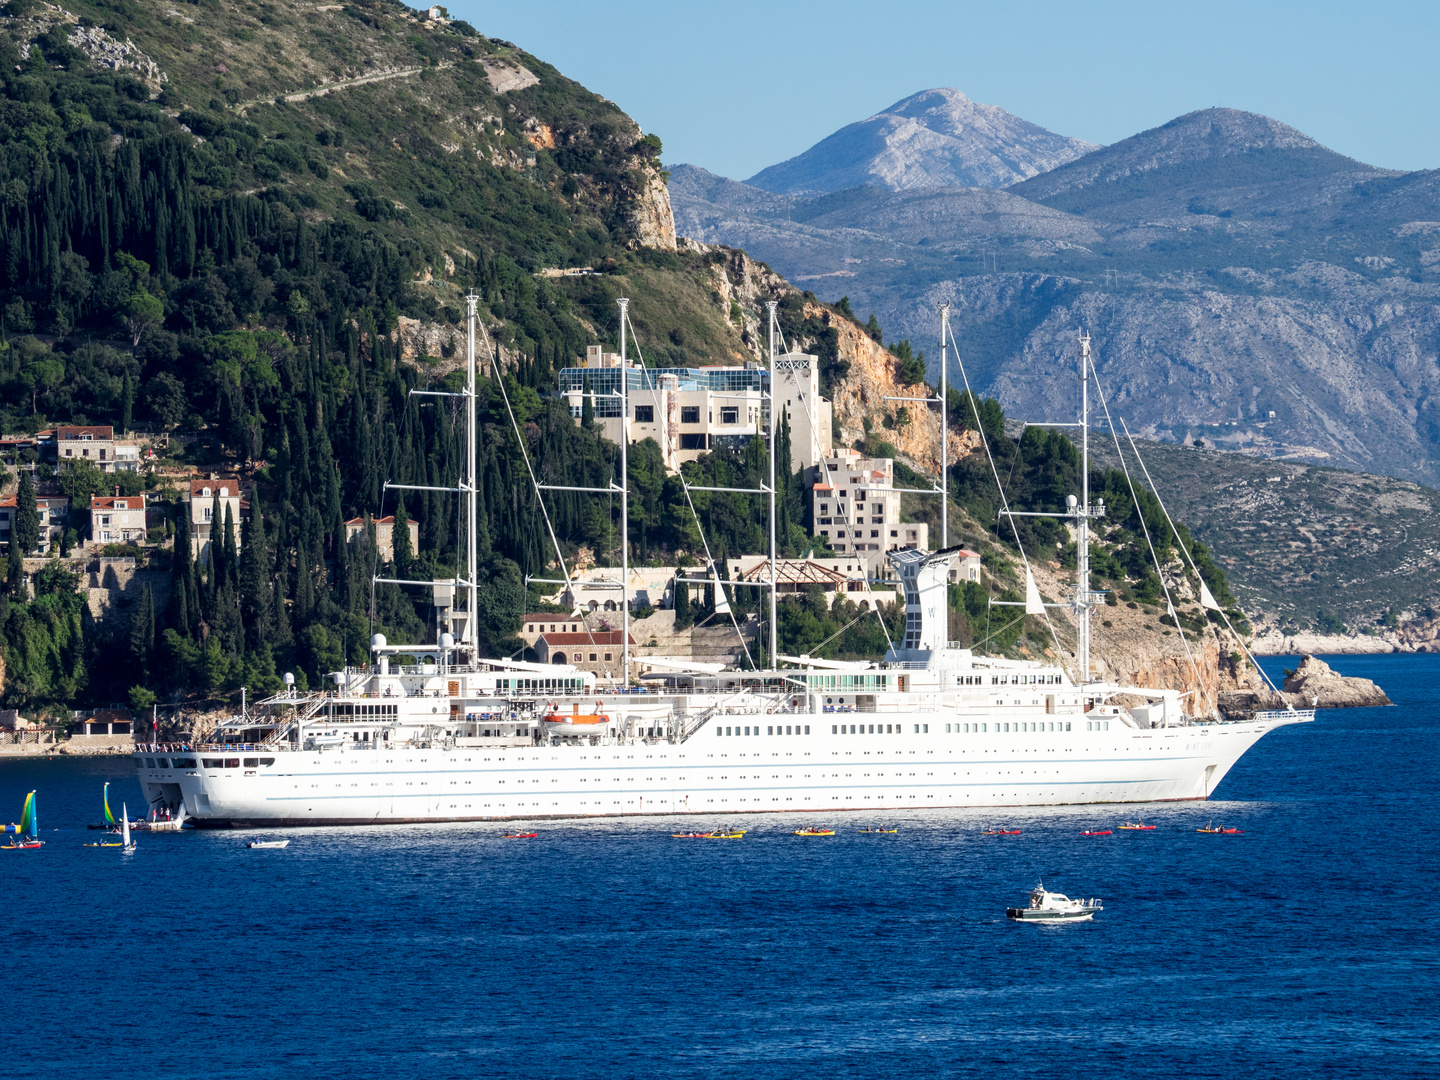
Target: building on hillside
[(597, 589), (691, 411), (117, 519), (836, 576), (532, 626), (205, 525), (97, 444), (856, 510), (117, 721), (599, 652), (11, 720), (967, 566), (54, 518), (384, 534)]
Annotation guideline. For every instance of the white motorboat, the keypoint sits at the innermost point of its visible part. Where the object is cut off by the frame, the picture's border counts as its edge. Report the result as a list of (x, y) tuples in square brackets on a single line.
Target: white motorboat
[(268, 844), (1053, 907)]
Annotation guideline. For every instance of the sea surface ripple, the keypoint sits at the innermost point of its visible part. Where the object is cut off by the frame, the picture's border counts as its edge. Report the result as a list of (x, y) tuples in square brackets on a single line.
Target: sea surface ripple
[(1305, 947)]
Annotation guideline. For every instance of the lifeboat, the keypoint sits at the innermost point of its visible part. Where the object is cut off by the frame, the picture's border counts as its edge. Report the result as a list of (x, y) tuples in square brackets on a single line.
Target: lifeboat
[(575, 722)]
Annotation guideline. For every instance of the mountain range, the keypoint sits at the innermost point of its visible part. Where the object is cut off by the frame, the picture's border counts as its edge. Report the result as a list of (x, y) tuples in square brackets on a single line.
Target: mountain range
[(937, 138), (1246, 286)]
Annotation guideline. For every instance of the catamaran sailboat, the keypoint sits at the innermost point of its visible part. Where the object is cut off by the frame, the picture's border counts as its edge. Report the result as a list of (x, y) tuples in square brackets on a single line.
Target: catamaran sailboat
[(440, 733)]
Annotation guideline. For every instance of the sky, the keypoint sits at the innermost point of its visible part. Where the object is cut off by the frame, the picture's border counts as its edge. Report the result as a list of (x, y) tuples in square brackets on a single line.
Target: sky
[(735, 87)]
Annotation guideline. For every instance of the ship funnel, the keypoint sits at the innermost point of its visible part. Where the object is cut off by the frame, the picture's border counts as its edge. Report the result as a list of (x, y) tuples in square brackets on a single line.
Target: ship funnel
[(925, 577)]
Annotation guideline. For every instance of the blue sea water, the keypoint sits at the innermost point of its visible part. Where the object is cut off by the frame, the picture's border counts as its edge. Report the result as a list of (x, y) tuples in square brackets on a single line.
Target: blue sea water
[(1305, 947)]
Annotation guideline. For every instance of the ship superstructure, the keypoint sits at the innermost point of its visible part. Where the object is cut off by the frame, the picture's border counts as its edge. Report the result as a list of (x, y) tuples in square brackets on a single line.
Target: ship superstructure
[(438, 733)]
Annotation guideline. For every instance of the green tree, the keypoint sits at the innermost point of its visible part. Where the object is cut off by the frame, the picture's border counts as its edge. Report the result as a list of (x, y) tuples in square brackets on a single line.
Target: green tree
[(40, 377), (141, 700), (26, 531), (400, 541), (142, 311), (873, 329), (142, 632)]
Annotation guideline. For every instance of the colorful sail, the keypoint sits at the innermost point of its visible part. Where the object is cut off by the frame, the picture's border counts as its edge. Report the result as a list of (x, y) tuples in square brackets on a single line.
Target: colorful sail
[(109, 817), (28, 822)]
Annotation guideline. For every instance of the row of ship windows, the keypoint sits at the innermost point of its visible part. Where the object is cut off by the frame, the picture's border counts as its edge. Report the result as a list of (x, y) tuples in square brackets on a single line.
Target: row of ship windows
[(210, 763), (877, 729), (772, 729), (1054, 725)]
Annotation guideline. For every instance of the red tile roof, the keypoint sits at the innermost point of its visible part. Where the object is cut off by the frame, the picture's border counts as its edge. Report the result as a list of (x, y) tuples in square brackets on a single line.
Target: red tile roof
[(107, 502), (94, 431), (199, 484), (598, 637)]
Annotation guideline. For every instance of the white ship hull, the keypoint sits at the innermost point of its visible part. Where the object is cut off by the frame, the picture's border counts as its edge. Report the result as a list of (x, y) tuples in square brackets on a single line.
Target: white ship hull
[(905, 769)]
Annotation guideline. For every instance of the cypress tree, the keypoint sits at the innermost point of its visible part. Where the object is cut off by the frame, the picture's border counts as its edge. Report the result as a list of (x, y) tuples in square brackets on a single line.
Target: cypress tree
[(25, 534), (400, 541), (256, 593), (127, 401), (142, 633), (230, 564)]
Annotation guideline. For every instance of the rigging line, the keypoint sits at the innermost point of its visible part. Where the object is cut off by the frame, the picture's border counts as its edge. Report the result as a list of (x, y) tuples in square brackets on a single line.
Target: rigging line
[(1004, 502), (837, 633), (1002, 629), (824, 464), (699, 529), (1140, 513), (525, 455), (1190, 559)]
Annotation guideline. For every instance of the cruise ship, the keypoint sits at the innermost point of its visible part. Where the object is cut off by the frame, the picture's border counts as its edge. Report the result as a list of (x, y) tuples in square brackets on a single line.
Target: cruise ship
[(436, 733)]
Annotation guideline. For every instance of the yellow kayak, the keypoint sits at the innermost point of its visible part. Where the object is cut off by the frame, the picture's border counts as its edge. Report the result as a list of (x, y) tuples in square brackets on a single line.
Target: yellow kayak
[(814, 832)]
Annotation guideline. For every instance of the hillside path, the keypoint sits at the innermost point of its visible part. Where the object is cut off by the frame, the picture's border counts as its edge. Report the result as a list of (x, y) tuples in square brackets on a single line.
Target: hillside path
[(343, 84)]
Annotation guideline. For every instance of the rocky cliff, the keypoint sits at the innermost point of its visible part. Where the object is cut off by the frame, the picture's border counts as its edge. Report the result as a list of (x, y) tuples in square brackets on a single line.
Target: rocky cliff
[(861, 409)]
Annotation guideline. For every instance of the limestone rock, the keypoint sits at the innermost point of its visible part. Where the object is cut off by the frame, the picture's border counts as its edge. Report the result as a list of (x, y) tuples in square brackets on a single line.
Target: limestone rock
[(650, 213), (1314, 679), (861, 394), (506, 75)]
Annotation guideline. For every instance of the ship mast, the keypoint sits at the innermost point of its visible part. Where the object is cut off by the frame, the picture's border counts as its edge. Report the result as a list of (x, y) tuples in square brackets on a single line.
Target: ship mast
[(1084, 600), (773, 429), (624, 303)]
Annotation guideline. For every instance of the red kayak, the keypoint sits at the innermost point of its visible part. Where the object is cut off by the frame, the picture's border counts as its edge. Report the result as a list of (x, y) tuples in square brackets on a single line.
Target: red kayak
[(1096, 832), (1001, 832), (521, 835)]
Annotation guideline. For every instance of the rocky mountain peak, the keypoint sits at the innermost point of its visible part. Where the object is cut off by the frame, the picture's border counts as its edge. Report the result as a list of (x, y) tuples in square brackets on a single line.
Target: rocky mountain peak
[(936, 138), (1196, 141)]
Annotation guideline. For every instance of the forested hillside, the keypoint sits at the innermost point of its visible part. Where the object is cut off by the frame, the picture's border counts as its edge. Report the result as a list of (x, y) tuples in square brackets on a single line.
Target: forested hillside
[(248, 227)]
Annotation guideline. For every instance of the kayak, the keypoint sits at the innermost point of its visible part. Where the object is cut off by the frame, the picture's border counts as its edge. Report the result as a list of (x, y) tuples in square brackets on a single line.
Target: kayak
[(1001, 832), (814, 832), (520, 836), (1136, 827), (1096, 832)]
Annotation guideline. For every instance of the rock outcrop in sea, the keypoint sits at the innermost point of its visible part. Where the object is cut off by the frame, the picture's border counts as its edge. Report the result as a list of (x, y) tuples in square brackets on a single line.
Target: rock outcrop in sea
[(1315, 681)]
